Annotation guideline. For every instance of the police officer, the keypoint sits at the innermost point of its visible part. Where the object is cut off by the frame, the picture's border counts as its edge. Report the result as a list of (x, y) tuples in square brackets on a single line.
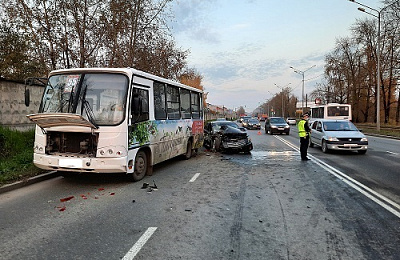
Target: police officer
[(304, 134)]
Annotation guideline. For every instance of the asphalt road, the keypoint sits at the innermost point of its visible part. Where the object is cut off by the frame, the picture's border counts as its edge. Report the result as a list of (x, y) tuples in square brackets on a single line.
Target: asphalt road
[(264, 205), (379, 168)]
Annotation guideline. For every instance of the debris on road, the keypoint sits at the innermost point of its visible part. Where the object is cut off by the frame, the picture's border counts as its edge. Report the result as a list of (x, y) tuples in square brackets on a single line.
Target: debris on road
[(67, 199)]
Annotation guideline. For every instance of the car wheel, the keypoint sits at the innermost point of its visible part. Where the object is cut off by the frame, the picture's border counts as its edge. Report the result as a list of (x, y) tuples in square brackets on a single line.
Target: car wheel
[(140, 166), (188, 153), (287, 133), (270, 132), (217, 144), (207, 145), (324, 147), (362, 151)]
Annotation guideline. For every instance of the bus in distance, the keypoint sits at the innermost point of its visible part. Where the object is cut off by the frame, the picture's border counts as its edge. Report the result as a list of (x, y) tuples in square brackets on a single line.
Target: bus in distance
[(115, 120), (331, 111)]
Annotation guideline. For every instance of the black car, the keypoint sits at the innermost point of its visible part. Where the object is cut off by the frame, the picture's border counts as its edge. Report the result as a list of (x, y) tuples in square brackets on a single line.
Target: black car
[(226, 136), (276, 125), (253, 124)]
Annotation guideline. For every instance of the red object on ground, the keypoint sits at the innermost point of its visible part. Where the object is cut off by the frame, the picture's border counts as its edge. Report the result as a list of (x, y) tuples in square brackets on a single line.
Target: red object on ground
[(67, 199)]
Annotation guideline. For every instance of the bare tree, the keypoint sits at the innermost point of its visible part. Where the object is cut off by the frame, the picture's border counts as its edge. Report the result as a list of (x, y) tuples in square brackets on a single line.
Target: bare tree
[(92, 33)]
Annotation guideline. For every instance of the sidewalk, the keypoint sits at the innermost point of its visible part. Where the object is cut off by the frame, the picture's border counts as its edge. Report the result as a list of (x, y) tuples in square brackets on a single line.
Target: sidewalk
[(20, 184)]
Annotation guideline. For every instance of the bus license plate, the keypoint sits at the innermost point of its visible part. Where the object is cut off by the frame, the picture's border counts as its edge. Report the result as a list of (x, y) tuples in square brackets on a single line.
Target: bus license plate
[(70, 163)]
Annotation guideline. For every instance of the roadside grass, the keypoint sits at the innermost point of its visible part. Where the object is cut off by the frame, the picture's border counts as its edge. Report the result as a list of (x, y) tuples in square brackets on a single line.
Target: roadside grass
[(385, 129), (16, 155)]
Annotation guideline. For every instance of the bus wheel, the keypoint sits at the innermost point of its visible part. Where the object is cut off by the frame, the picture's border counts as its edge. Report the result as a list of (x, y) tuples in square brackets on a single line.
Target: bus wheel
[(188, 153), (140, 166)]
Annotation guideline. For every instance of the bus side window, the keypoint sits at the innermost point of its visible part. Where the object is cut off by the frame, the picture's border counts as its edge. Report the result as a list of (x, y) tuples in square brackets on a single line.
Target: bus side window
[(173, 102), (160, 107), (140, 105), (195, 104), (185, 104)]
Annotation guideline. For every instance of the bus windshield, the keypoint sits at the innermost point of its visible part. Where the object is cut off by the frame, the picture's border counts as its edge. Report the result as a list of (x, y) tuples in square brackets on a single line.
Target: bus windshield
[(338, 111), (99, 98)]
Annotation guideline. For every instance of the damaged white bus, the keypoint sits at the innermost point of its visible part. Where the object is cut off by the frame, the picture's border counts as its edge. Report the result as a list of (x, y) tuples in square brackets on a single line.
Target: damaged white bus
[(115, 120)]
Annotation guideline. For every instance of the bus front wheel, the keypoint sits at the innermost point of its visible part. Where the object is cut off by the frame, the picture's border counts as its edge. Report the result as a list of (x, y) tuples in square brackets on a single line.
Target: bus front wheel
[(140, 166)]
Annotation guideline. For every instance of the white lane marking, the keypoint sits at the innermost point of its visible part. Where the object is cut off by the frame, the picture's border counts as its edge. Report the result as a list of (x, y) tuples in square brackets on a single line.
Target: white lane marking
[(389, 152), (194, 177), (139, 244), (381, 200)]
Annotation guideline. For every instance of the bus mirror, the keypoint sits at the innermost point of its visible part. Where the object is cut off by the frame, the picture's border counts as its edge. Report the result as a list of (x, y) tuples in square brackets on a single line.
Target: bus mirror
[(27, 97)]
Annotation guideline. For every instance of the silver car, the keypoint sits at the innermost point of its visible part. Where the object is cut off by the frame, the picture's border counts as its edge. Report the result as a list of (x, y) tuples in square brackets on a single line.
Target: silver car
[(337, 135)]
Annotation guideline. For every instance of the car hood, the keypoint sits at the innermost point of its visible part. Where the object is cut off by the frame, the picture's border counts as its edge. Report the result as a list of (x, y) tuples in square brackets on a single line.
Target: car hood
[(279, 125), (345, 134), (233, 131)]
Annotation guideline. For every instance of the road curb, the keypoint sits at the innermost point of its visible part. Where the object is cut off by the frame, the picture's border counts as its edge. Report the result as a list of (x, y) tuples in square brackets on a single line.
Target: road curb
[(20, 184), (384, 136)]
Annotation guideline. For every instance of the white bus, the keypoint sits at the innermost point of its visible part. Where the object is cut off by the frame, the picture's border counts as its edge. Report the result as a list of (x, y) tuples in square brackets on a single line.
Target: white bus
[(115, 120), (331, 111)]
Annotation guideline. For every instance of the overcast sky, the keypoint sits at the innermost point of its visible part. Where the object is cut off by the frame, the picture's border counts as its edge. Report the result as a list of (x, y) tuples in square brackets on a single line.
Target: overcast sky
[(242, 48)]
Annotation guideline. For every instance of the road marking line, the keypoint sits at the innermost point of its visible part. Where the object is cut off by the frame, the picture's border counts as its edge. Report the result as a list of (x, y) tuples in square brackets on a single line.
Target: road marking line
[(140, 243), (194, 177), (381, 200)]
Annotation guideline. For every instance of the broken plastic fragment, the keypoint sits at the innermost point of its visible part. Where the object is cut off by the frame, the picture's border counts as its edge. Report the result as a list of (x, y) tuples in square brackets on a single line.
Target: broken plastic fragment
[(100, 189), (154, 185), (67, 199), (61, 208), (112, 193)]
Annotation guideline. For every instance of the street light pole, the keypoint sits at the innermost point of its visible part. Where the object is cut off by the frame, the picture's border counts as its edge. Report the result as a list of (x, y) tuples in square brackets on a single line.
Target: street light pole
[(302, 89), (282, 88), (378, 65)]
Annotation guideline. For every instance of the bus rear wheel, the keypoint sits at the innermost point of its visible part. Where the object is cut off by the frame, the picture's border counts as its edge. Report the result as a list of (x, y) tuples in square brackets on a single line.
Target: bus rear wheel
[(140, 166), (189, 150)]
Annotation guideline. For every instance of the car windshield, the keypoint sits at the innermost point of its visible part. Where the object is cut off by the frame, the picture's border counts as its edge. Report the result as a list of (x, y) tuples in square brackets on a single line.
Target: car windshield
[(217, 125), (279, 120), (339, 126)]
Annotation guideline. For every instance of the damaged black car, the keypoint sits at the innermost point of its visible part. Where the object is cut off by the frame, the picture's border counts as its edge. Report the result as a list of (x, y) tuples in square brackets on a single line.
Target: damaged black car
[(226, 136)]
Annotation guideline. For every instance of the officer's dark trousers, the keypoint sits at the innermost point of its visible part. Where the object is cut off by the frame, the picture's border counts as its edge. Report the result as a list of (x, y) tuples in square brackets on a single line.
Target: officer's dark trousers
[(304, 142)]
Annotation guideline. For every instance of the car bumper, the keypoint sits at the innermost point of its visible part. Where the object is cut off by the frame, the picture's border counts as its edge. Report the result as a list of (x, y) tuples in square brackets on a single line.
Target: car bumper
[(348, 146), (280, 131), (241, 145)]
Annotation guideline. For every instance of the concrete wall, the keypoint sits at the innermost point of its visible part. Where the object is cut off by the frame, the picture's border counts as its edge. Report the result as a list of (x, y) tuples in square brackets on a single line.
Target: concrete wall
[(12, 104)]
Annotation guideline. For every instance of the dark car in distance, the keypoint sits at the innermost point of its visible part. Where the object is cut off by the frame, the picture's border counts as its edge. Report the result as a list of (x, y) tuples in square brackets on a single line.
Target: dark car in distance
[(253, 123), (276, 125), (226, 136)]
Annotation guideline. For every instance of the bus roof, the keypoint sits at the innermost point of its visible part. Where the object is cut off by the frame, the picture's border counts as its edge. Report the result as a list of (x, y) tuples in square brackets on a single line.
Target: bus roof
[(128, 71)]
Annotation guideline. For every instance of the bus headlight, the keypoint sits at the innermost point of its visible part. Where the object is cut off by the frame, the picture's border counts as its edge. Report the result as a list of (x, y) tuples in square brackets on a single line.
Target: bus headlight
[(38, 149)]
